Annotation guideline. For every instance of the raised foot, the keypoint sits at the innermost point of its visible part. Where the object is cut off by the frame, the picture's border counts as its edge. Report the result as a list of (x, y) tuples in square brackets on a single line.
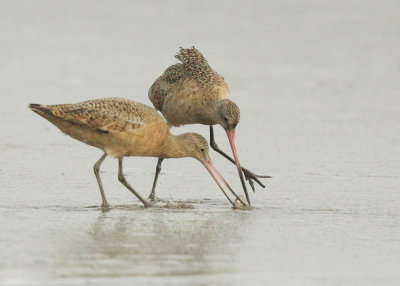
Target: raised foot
[(250, 176)]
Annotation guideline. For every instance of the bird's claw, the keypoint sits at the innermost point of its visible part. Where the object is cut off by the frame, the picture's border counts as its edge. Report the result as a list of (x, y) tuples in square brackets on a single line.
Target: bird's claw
[(251, 177)]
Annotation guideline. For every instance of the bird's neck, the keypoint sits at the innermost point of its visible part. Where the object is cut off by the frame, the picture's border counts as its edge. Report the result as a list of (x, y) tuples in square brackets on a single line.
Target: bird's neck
[(174, 146), (214, 110), (208, 115)]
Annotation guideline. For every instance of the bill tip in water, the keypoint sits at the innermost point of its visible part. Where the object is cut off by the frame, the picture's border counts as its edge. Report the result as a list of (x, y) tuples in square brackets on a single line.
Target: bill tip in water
[(238, 204)]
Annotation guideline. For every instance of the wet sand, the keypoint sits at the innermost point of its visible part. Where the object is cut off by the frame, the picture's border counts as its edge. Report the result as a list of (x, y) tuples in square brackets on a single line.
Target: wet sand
[(318, 86)]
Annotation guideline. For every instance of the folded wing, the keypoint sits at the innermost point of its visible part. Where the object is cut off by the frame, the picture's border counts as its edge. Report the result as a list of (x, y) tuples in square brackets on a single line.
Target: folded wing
[(104, 115)]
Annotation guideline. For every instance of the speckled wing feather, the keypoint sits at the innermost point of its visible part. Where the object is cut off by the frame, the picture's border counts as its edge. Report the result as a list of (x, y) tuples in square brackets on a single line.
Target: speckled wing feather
[(106, 115), (194, 67)]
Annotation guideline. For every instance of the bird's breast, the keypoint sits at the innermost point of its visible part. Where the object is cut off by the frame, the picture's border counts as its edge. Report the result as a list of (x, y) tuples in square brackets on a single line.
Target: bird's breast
[(190, 104)]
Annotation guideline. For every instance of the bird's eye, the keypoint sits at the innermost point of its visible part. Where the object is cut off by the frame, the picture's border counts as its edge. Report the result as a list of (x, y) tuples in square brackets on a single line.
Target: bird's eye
[(202, 149), (226, 119)]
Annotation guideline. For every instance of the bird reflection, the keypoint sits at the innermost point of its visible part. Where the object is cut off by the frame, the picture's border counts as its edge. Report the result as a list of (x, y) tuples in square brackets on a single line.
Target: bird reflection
[(159, 242)]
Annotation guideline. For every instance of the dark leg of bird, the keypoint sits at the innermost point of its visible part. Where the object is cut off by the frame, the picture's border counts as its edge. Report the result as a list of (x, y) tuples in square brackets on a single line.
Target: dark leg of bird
[(122, 179), (158, 170), (96, 168), (250, 176)]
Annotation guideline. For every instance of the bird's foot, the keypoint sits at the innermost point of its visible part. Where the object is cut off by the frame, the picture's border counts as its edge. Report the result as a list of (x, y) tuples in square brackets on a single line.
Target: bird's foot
[(250, 176), (105, 205), (153, 199), (147, 204)]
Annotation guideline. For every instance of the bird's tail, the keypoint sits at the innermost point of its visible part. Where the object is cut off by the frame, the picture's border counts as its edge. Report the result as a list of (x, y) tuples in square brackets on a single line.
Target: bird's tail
[(33, 105), (42, 110)]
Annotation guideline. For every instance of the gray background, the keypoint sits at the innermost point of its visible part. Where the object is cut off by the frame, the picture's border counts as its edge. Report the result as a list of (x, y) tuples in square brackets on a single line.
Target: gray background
[(318, 87)]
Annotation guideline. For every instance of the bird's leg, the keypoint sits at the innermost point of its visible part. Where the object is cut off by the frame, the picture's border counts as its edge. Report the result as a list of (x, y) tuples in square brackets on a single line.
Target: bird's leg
[(153, 190), (122, 179), (250, 176), (96, 168)]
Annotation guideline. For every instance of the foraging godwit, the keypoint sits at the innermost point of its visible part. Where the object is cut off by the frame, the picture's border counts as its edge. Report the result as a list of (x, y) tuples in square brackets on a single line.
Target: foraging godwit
[(121, 128), (192, 92)]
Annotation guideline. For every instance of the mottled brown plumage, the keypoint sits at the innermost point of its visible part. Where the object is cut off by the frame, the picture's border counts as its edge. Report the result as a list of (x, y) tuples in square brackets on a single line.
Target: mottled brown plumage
[(192, 92), (107, 115), (122, 127), (119, 127)]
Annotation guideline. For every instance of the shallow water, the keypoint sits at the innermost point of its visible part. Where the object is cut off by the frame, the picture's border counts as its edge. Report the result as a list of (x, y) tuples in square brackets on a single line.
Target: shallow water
[(318, 88)]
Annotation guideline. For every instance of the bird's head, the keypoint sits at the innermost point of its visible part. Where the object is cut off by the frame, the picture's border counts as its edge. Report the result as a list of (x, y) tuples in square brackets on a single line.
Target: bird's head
[(196, 146), (228, 114)]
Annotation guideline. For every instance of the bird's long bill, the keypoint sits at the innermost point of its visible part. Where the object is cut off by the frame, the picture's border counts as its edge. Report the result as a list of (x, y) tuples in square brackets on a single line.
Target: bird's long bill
[(231, 138), (212, 169)]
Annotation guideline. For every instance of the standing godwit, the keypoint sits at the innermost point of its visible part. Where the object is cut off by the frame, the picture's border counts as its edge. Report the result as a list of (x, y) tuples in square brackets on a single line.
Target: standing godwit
[(192, 92), (121, 128)]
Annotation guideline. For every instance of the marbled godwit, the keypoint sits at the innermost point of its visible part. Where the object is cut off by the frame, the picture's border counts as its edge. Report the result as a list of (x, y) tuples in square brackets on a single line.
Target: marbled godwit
[(121, 128), (192, 92)]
